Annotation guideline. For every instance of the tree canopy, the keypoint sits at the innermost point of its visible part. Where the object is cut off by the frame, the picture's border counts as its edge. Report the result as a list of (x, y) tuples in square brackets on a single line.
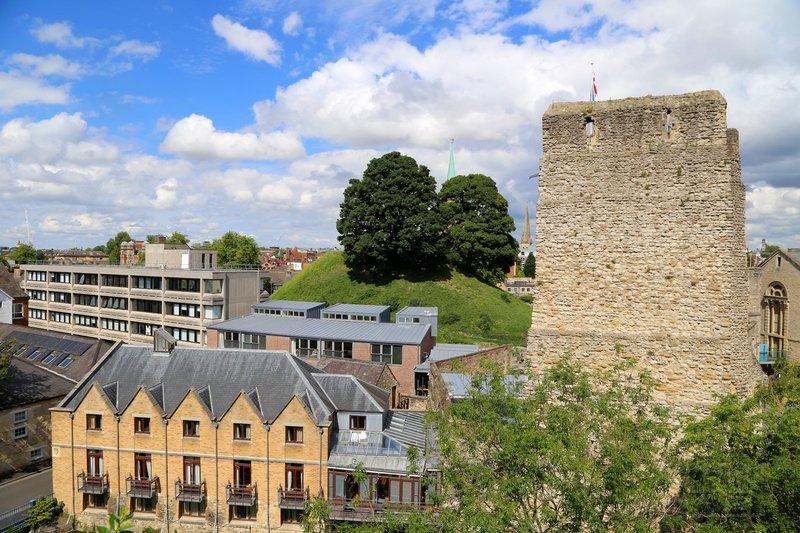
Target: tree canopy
[(478, 239), (113, 245), (529, 267), (236, 249), (174, 238), (579, 453), (388, 223), (25, 253)]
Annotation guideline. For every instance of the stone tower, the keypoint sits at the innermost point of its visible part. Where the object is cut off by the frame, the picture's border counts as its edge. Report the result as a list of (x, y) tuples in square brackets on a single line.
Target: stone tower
[(623, 186)]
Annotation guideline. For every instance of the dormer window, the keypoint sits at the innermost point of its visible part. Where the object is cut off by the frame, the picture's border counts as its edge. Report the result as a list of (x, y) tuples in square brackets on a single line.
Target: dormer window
[(358, 422)]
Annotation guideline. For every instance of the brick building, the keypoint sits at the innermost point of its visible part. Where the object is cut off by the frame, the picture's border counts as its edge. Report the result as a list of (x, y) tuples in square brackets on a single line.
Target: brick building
[(198, 439)]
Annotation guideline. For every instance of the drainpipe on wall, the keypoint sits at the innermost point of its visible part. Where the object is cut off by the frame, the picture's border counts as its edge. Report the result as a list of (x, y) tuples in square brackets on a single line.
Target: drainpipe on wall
[(321, 432), (72, 461), (269, 523), (166, 471), (215, 424), (119, 474)]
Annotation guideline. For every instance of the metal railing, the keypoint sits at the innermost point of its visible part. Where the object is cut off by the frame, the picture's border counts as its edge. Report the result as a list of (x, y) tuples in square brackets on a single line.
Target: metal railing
[(92, 484), (141, 488), (245, 495), (190, 492), (367, 511), (292, 498), (14, 519)]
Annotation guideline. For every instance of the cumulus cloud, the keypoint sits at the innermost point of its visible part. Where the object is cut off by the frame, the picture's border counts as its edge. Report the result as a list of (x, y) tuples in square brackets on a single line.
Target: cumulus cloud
[(49, 65), (196, 137), (81, 223), (293, 23), (255, 44), (773, 213), (17, 89), (60, 34), (137, 49)]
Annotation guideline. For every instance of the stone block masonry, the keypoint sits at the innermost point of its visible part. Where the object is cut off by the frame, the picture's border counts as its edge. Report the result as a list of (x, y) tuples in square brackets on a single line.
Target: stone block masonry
[(640, 242)]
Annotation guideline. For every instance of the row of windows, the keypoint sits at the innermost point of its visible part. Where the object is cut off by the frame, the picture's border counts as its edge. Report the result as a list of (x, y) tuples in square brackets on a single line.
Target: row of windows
[(142, 306), (191, 428), (310, 348), (114, 325), (345, 316), (53, 357), (61, 297), (84, 320), (63, 318), (39, 314), (110, 280), (183, 334), (387, 353), (211, 286), (38, 295)]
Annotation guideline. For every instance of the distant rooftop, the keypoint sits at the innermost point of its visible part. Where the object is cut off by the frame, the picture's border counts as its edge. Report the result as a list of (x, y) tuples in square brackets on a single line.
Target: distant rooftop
[(419, 311), (291, 305), (357, 308), (441, 352)]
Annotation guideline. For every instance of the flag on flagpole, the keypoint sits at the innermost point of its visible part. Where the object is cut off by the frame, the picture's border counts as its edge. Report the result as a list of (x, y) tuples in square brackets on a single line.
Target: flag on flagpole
[(593, 92)]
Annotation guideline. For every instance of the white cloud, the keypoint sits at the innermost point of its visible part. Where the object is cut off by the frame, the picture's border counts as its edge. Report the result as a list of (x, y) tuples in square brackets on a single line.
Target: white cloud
[(60, 34), (293, 23), (80, 224), (170, 194), (138, 49), (17, 90), (195, 137), (138, 99), (255, 44), (773, 213), (49, 65)]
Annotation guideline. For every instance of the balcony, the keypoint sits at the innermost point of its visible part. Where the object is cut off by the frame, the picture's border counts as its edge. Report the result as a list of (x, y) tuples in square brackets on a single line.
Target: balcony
[(141, 488), (292, 499), (190, 492), (89, 484), (367, 511), (245, 495)]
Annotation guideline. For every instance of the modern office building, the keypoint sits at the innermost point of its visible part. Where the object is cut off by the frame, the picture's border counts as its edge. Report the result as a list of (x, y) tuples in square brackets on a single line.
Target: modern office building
[(178, 288)]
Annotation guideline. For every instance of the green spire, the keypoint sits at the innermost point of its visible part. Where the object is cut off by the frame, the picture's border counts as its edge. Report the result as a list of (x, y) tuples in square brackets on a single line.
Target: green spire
[(451, 168)]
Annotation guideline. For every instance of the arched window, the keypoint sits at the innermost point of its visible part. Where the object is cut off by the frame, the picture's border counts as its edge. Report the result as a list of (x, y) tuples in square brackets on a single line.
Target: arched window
[(774, 307)]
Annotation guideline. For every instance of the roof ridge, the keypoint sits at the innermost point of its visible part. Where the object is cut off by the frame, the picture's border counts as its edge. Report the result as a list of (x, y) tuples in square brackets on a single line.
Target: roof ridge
[(360, 385), (90, 374), (294, 363)]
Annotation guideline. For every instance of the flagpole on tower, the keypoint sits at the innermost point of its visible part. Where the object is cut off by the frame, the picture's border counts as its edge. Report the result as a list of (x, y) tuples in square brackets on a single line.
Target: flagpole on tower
[(593, 90)]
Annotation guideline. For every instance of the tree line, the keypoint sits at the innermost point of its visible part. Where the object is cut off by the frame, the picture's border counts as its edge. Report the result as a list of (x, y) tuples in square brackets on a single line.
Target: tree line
[(393, 223)]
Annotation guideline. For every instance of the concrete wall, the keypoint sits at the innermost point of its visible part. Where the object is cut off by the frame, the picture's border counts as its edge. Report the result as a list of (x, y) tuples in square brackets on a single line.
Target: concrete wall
[(640, 240)]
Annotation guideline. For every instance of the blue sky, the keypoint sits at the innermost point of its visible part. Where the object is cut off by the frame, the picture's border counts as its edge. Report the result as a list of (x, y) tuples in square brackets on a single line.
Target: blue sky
[(203, 117)]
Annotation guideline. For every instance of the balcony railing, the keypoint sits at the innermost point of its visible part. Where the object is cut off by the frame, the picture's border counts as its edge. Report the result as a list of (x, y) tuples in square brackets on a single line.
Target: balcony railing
[(141, 488), (245, 495), (366, 511), (91, 484), (292, 498), (190, 492)]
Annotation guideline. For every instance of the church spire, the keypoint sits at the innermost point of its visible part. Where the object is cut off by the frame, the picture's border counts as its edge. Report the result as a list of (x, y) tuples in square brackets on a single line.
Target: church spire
[(451, 168), (525, 242)]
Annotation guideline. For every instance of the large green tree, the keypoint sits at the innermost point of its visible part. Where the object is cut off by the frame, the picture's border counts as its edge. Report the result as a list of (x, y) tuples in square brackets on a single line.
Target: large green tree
[(236, 249), (388, 223), (529, 267), (113, 245), (478, 239), (25, 253), (580, 452), (742, 471)]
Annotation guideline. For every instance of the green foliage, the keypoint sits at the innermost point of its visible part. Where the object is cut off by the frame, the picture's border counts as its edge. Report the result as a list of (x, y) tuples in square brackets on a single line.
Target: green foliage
[(316, 518), (113, 245), (236, 249), (118, 522), (743, 467), (583, 452), (770, 249), (151, 529), (478, 238), (527, 298), (461, 300), (529, 267), (388, 224), (26, 254), (45, 511)]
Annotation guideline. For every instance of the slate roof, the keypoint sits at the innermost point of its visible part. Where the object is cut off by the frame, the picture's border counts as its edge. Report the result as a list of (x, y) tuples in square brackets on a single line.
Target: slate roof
[(364, 370), (83, 351), (291, 305), (270, 379), (10, 285), (336, 330), (28, 383)]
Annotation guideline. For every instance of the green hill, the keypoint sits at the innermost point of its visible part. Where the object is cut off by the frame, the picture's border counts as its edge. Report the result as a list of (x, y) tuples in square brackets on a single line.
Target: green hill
[(469, 311)]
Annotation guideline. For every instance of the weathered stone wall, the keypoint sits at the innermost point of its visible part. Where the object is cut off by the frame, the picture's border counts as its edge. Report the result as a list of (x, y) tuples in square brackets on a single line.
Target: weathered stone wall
[(640, 241)]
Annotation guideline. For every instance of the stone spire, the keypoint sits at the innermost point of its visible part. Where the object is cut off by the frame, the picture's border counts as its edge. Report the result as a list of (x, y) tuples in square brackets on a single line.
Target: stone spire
[(451, 168), (525, 241)]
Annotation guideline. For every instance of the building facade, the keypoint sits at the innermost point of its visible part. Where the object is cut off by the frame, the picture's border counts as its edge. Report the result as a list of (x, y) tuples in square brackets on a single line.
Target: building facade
[(623, 186), (178, 289), (13, 300), (197, 440)]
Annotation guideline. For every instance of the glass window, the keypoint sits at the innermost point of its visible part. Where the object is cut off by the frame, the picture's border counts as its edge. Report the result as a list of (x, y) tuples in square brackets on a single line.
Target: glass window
[(141, 425), (20, 416), (387, 353), (94, 422), (358, 422), (294, 434), (212, 311), (241, 431), (20, 432), (213, 286), (191, 428)]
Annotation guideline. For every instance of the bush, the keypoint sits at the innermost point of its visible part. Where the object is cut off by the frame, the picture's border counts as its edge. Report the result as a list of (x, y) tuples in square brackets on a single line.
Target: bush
[(45, 511), (527, 298)]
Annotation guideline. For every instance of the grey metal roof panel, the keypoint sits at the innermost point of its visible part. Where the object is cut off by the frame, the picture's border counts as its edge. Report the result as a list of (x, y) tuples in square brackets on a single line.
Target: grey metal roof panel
[(418, 311), (440, 352), (291, 305), (337, 330), (349, 394), (357, 308), (459, 385), (407, 427)]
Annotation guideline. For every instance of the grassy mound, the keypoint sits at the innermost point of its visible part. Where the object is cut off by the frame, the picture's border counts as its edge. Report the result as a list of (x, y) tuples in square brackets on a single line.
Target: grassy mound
[(469, 311)]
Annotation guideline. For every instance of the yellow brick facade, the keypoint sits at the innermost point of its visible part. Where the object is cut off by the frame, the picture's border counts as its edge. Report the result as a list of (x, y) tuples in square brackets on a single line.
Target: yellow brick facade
[(215, 445)]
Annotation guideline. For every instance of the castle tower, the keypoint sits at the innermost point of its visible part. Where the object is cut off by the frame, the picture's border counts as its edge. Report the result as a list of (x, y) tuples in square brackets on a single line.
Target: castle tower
[(623, 186)]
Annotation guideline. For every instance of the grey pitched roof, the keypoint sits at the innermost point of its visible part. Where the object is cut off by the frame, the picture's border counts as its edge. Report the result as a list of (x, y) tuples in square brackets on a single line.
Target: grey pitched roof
[(337, 330), (269, 379), (357, 308), (459, 385), (350, 394), (441, 352), (28, 383), (10, 285), (407, 427), (289, 305)]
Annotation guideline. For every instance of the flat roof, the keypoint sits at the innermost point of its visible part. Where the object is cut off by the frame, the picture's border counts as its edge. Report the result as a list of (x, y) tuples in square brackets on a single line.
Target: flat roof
[(357, 308), (291, 305), (335, 330), (418, 311)]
